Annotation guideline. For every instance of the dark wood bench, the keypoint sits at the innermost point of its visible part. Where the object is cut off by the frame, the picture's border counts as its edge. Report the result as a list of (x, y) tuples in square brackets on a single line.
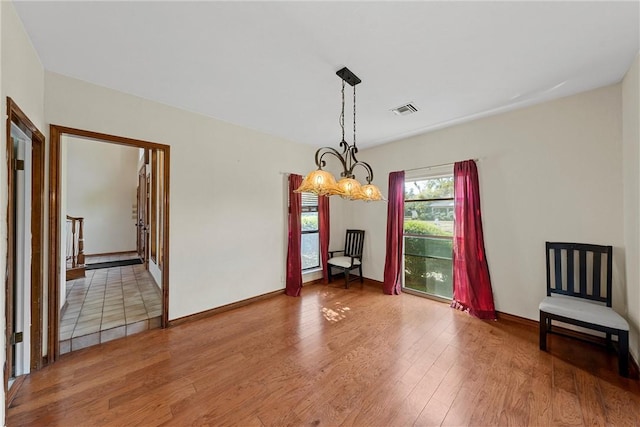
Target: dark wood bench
[(576, 274), (352, 256)]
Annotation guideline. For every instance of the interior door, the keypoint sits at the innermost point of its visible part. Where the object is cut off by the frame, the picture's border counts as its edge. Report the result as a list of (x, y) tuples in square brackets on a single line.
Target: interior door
[(22, 295), (11, 273), (142, 214), (24, 269), (19, 296)]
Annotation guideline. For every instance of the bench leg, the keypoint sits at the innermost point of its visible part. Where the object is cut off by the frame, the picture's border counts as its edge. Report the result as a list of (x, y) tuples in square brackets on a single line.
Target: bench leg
[(543, 331), (623, 355)]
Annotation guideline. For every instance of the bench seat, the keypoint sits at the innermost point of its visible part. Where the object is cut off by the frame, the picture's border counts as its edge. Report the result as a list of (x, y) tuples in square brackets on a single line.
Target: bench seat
[(579, 288), (583, 310)]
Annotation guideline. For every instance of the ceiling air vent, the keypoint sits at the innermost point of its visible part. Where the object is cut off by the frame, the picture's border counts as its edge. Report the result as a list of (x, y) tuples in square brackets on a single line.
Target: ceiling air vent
[(403, 110)]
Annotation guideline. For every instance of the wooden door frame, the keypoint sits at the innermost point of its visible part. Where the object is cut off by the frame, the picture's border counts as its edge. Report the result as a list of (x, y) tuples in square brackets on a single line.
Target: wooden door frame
[(16, 116), (55, 134)]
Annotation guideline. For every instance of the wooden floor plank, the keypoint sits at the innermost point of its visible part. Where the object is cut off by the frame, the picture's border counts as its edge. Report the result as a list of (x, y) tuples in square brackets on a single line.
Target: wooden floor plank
[(351, 357), (565, 403), (622, 407), (433, 414), (588, 390)]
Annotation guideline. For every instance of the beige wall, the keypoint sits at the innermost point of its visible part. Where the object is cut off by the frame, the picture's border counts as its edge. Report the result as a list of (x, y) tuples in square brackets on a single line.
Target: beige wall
[(101, 188), (551, 172), (22, 79), (631, 169), (227, 217)]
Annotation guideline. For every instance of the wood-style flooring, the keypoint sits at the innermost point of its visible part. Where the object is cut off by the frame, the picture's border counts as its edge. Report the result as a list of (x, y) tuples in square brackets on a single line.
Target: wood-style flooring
[(333, 357)]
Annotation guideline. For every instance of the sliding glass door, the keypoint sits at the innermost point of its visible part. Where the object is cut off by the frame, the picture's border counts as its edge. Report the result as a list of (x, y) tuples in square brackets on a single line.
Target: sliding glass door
[(428, 235)]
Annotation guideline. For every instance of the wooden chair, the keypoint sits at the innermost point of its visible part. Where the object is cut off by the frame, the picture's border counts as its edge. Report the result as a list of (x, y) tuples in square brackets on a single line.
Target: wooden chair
[(575, 295), (352, 256)]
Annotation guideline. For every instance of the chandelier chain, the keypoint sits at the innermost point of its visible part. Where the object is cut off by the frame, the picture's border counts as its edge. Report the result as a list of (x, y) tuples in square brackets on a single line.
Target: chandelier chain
[(354, 116), (342, 112)]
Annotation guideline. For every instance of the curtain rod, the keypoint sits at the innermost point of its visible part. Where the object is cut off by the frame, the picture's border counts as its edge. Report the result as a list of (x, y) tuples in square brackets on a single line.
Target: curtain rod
[(435, 166)]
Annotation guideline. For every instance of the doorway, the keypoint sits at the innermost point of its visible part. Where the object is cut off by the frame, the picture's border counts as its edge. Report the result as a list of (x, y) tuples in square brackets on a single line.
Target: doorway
[(58, 163), (25, 265)]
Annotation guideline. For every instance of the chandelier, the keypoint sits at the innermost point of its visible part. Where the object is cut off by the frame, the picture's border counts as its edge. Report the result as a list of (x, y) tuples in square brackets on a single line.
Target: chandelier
[(322, 182)]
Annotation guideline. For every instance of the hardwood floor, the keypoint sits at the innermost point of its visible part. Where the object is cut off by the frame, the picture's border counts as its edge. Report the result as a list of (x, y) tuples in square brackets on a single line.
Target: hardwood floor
[(333, 357)]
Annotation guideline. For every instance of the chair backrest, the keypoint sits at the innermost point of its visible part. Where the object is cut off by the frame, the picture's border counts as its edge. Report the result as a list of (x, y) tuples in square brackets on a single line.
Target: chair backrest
[(353, 243), (579, 270)]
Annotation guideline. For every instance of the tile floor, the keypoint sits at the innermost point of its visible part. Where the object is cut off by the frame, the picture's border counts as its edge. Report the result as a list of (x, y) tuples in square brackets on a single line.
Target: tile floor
[(107, 304)]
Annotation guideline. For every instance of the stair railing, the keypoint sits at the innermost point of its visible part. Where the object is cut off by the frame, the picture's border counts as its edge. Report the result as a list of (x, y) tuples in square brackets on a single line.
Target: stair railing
[(75, 242)]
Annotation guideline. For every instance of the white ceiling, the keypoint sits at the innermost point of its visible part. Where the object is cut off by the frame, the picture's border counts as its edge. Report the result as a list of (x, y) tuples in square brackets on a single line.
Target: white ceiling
[(270, 65)]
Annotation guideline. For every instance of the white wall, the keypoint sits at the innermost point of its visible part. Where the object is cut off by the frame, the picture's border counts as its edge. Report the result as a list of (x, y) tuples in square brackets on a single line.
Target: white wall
[(101, 188), (340, 209), (551, 172), (21, 78), (226, 192), (631, 168)]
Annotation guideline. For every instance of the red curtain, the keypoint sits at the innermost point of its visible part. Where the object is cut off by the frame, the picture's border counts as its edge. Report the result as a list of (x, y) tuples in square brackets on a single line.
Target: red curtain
[(395, 220), (324, 232), (294, 262), (471, 283)]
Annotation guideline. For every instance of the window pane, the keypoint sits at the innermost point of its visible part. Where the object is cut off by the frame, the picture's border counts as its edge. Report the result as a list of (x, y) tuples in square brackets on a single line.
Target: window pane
[(429, 218), (432, 276), (310, 250), (432, 188), (428, 247), (309, 221), (428, 235)]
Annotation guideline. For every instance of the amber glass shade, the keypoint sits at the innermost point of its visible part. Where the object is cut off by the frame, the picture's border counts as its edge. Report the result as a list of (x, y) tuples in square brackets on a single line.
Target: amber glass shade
[(318, 182), (349, 188), (370, 193)]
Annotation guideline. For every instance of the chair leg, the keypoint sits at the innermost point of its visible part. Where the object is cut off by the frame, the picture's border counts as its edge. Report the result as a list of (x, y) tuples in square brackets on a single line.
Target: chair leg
[(543, 331), (360, 268), (346, 278), (623, 353), (329, 273)]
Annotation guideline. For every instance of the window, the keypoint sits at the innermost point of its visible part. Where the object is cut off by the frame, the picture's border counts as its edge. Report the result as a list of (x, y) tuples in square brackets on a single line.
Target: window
[(428, 235), (310, 246)]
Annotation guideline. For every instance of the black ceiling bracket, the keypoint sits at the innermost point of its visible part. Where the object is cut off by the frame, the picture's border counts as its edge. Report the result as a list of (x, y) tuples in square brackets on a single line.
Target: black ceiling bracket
[(346, 75)]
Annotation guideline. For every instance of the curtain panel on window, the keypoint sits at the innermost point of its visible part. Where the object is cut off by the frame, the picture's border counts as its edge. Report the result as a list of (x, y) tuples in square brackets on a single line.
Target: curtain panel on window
[(395, 218), (471, 282), (324, 231), (294, 262)]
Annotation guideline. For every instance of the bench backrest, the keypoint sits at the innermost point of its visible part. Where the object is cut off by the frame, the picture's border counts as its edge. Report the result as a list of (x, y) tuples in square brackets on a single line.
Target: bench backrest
[(579, 270), (353, 243)]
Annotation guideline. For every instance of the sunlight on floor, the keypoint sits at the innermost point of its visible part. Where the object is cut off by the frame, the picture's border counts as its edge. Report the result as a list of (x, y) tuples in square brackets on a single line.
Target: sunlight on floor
[(335, 315)]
